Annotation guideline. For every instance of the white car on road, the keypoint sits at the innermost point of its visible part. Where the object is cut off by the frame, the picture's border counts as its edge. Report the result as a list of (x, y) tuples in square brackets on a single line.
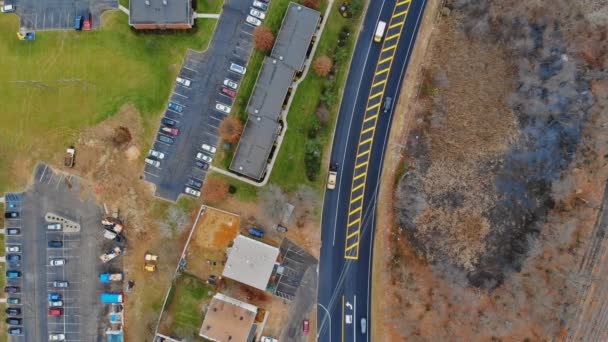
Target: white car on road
[(209, 148), (157, 154), (257, 13), (192, 192), (253, 21), (183, 81), (204, 157), (223, 108)]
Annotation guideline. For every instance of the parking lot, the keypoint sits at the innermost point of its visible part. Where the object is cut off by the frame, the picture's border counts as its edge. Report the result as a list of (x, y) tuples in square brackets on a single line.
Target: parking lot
[(52, 199), (58, 14), (199, 119)]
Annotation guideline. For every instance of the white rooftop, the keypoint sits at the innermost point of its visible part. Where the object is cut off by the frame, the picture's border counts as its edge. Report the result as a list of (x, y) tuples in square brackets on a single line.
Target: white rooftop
[(250, 262)]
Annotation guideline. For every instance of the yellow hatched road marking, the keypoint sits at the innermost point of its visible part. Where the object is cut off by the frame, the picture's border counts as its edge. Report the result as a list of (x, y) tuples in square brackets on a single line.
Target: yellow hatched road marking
[(365, 142), (348, 248), (354, 222), (375, 95), (367, 130), (356, 199), (365, 163), (358, 176), (356, 257), (399, 14), (388, 48), (378, 83), (395, 25), (355, 189), (402, 2), (382, 71), (356, 210), (370, 118), (386, 59), (356, 232), (372, 107), (393, 36)]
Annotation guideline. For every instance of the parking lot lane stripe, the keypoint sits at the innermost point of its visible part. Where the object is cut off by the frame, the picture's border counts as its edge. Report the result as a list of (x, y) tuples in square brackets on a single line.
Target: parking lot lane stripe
[(43, 172), (151, 174), (178, 94), (185, 67)]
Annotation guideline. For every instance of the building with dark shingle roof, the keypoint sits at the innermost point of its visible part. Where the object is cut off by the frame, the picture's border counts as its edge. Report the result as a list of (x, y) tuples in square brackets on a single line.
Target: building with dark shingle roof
[(161, 14), (271, 90)]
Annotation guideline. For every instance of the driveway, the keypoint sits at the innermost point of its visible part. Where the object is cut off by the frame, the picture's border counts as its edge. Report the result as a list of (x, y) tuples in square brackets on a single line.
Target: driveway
[(58, 14), (199, 120)]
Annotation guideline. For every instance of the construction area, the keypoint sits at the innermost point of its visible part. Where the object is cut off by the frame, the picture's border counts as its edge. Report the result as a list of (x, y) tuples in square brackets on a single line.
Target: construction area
[(498, 228)]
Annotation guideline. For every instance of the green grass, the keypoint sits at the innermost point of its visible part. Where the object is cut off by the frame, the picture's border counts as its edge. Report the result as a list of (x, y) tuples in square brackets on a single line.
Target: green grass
[(289, 170), (125, 3), (185, 306), (77, 79), (209, 6)]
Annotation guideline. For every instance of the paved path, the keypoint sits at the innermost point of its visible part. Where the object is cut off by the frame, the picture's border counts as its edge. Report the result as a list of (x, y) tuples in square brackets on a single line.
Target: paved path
[(207, 15), (124, 9)]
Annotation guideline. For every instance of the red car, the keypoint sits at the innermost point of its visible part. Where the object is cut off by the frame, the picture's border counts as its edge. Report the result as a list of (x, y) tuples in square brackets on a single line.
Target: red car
[(55, 311), (171, 130), (228, 91), (87, 23), (305, 327)]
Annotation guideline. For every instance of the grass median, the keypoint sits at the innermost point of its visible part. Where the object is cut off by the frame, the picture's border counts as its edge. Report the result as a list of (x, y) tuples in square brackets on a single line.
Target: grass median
[(65, 81)]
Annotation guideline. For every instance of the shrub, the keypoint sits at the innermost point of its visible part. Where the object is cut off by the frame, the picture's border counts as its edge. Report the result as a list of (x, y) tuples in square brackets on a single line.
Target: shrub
[(312, 158), (230, 129), (322, 65), (263, 38)]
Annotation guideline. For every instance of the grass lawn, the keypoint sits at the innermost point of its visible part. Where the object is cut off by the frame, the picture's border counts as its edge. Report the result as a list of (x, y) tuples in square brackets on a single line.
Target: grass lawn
[(209, 6), (184, 311), (65, 81), (289, 170)]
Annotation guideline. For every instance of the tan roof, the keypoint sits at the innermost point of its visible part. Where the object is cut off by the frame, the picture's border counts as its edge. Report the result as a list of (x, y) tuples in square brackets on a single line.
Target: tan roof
[(228, 320)]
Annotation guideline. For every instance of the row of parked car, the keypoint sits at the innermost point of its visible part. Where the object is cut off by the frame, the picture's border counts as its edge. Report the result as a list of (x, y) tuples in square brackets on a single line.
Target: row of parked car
[(257, 12)]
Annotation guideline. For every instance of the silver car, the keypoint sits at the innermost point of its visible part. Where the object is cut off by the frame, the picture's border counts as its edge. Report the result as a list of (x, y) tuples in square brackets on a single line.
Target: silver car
[(13, 249), (253, 21), (60, 284), (204, 157), (156, 154), (230, 83), (257, 13), (152, 162), (208, 148), (54, 226), (57, 262), (192, 192), (223, 108)]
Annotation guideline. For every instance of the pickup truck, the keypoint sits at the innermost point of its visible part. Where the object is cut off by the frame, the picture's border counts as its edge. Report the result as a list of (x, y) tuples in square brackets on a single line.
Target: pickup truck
[(69, 157), (331, 178)]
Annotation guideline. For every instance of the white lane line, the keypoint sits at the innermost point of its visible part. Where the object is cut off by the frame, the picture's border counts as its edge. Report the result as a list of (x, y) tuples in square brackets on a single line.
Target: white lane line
[(59, 182), (151, 174), (43, 172), (185, 67), (176, 93), (172, 111)]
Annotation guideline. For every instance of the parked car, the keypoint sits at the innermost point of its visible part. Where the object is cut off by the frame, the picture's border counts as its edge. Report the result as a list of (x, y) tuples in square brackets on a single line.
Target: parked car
[(192, 192), (13, 274), (170, 130), (257, 13), (54, 296), (253, 21), (56, 337), (13, 249), (88, 21), (168, 122), (208, 148), (8, 8), (55, 244), (60, 284), (55, 311), (15, 331), (13, 321), (204, 157), (55, 303), (194, 183), (201, 165), (387, 104), (183, 81), (13, 300), (260, 5), (237, 68), (11, 214), (12, 289), (156, 154), (223, 108), (78, 23), (230, 83), (13, 231), (152, 162), (228, 92), (165, 139), (13, 311), (13, 257), (176, 107), (256, 232), (305, 327), (57, 262), (54, 226)]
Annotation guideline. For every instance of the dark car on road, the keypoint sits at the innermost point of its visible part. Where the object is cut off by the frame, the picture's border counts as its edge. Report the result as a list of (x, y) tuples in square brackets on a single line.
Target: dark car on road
[(194, 183), (201, 165), (11, 289), (165, 139), (13, 231), (13, 311), (11, 214), (13, 257), (55, 244), (15, 331), (168, 122), (388, 101), (13, 321)]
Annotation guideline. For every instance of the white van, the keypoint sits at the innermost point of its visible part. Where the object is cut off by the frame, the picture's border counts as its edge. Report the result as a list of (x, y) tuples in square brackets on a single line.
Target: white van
[(379, 31)]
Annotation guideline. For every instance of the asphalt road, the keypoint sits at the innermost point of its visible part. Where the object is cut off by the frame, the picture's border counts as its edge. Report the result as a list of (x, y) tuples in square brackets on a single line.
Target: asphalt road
[(360, 140)]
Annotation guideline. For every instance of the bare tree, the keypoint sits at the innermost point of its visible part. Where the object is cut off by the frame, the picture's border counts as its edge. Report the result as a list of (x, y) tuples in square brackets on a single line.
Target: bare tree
[(311, 3), (323, 65), (273, 201), (304, 201), (263, 38), (230, 129)]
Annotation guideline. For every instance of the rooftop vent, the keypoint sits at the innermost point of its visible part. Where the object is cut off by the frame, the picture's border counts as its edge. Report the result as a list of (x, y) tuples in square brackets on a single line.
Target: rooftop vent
[(165, 2), (147, 2)]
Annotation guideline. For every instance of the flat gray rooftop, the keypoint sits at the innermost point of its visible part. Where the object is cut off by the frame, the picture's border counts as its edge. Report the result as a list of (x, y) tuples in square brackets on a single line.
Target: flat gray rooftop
[(258, 137), (270, 89), (295, 35), (174, 12)]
